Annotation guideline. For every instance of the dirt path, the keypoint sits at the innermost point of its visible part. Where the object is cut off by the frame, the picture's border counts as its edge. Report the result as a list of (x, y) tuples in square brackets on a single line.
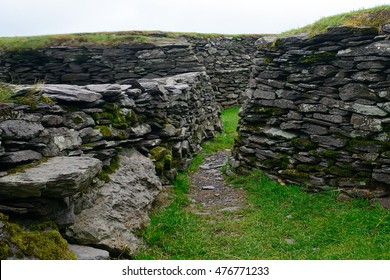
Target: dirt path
[(209, 193)]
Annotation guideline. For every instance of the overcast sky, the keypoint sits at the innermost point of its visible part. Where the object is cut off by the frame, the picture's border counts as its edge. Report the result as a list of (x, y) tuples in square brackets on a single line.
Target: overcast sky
[(38, 17)]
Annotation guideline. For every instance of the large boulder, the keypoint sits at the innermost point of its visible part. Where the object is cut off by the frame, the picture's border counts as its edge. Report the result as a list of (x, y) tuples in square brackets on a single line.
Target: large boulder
[(108, 216)]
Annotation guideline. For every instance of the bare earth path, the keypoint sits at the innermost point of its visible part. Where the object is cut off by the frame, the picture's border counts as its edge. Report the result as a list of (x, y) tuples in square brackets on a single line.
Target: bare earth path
[(209, 193)]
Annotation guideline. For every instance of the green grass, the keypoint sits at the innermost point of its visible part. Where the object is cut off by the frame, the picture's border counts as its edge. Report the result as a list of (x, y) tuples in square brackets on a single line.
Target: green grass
[(321, 227), (5, 94), (225, 139), (21, 43), (372, 17)]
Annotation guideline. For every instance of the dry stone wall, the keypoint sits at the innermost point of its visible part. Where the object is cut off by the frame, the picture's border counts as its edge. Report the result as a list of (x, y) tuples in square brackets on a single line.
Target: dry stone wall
[(225, 59), (317, 112), (94, 64), (69, 153)]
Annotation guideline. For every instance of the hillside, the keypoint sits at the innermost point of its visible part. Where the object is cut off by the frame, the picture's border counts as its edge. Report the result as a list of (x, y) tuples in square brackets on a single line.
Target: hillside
[(373, 17)]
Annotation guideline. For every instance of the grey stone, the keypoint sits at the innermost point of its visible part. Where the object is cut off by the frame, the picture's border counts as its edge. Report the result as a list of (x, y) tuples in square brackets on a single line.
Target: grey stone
[(90, 134), (61, 139), (150, 54), (277, 133), (141, 130), (108, 90), (366, 123), (208, 188), (89, 253), (331, 118), (386, 28), (367, 77), (205, 166), (289, 94), (368, 110), (381, 48), (381, 177), (265, 41), (290, 241), (69, 93), (108, 216), (324, 70), (230, 209), (263, 94), (58, 177), (169, 131), (20, 129), (52, 120), (78, 120), (20, 157), (329, 141), (306, 108), (314, 129), (354, 91)]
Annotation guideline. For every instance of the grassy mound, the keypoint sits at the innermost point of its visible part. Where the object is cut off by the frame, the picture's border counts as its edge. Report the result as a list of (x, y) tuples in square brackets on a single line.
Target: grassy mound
[(373, 17)]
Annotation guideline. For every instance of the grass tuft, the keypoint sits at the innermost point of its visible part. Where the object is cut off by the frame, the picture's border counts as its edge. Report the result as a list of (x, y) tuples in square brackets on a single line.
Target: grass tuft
[(373, 17)]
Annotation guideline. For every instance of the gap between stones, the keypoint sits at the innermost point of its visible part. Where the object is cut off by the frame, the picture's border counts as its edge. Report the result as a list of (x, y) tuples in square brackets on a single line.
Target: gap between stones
[(209, 193)]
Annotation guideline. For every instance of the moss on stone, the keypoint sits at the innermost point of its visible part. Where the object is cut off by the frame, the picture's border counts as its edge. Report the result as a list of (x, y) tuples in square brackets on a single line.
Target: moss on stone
[(113, 114), (77, 120), (131, 118), (105, 131), (268, 59), (295, 175), (364, 145), (273, 111), (22, 168), (303, 144), (32, 97), (43, 242), (309, 168), (341, 172), (318, 57), (109, 169), (158, 153), (329, 154), (281, 162), (163, 159)]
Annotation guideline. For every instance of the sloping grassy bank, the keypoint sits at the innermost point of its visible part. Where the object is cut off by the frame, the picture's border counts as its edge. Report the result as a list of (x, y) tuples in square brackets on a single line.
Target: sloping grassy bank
[(373, 17)]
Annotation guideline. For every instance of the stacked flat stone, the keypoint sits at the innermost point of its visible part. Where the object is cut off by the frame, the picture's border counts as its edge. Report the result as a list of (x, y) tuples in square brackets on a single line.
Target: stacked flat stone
[(227, 61), (66, 134), (317, 112), (94, 64)]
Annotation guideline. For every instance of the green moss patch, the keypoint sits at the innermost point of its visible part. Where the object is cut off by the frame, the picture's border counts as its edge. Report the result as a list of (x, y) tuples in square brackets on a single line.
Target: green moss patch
[(42, 241), (302, 144), (109, 169), (318, 57)]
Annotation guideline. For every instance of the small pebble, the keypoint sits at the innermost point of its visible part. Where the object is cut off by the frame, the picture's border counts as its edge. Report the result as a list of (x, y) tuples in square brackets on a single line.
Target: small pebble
[(204, 167), (290, 240), (208, 188)]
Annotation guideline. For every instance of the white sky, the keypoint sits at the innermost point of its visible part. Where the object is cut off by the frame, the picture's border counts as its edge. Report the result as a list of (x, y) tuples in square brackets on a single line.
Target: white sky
[(38, 17)]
